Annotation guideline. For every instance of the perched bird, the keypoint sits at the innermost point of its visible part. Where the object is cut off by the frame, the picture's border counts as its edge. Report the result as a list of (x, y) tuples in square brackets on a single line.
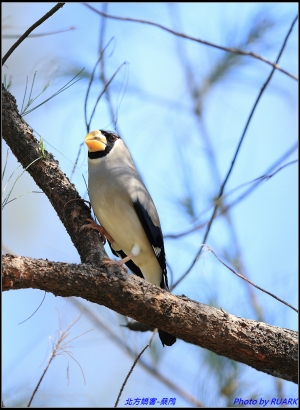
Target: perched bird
[(126, 211)]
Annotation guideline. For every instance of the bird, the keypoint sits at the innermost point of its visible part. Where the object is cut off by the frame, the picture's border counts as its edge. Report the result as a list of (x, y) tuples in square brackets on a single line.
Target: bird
[(126, 211)]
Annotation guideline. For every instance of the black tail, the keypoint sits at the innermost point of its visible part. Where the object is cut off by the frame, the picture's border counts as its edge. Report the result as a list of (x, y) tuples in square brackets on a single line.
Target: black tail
[(166, 338)]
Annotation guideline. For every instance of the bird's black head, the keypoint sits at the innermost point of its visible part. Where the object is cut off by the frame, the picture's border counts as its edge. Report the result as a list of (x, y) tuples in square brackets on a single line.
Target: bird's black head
[(100, 143)]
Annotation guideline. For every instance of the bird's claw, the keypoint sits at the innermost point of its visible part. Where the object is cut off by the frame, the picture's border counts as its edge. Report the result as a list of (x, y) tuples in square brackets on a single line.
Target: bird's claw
[(93, 225), (107, 261)]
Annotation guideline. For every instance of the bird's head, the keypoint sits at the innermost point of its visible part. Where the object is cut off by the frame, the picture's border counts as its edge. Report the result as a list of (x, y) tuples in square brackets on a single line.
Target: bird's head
[(100, 141)]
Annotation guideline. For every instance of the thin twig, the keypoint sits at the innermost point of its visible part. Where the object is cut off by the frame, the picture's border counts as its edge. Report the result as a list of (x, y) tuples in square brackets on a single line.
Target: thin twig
[(88, 122), (151, 370), (35, 310), (40, 34), (254, 183), (104, 89), (127, 377), (53, 354), (34, 26), (65, 87), (6, 199), (235, 156), (249, 281), (259, 179), (102, 75), (176, 33), (60, 349), (270, 169)]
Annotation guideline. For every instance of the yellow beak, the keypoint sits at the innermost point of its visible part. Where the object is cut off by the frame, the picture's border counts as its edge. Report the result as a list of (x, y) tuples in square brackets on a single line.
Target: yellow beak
[(95, 141)]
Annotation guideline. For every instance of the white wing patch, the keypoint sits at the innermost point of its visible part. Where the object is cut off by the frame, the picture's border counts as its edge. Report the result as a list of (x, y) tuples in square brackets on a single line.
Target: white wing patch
[(157, 251), (135, 250)]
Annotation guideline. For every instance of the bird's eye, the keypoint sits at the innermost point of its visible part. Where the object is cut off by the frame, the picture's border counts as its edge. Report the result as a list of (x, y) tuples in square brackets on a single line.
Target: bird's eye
[(112, 138)]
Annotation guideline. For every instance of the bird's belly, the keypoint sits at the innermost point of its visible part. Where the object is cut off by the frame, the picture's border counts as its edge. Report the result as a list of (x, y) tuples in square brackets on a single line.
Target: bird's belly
[(121, 222)]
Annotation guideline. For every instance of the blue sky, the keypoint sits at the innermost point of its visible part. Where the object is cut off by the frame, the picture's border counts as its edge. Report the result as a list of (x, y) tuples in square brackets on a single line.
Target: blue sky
[(151, 98)]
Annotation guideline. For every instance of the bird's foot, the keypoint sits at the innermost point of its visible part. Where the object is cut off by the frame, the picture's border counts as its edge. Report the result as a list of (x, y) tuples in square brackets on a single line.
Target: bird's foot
[(92, 225), (107, 261)]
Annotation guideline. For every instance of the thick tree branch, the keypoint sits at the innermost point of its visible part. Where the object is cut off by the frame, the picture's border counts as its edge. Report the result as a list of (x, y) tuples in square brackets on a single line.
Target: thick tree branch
[(266, 348), (49, 177)]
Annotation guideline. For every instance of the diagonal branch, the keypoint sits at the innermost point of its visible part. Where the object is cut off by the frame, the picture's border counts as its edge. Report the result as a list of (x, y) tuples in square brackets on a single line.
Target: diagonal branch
[(34, 26), (48, 176), (217, 203), (267, 348), (198, 40)]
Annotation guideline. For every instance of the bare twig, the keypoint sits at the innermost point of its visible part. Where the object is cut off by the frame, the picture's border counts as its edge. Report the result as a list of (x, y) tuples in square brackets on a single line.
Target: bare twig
[(235, 156), (6, 199), (176, 33), (150, 369), (102, 75), (104, 89), (127, 377), (65, 87), (88, 122), (254, 183), (249, 281), (34, 26), (53, 354), (58, 349), (270, 169), (35, 310), (259, 179), (38, 35)]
